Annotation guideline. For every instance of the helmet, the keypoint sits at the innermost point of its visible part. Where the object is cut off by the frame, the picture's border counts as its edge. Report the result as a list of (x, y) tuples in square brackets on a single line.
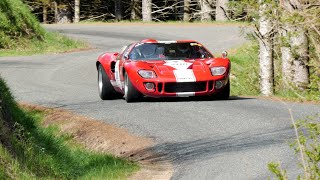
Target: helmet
[(148, 50), (183, 47)]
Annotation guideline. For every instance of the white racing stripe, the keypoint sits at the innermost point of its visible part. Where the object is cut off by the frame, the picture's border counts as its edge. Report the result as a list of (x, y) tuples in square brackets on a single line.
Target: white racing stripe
[(185, 75), (117, 74), (113, 83), (167, 42), (182, 74), (185, 94)]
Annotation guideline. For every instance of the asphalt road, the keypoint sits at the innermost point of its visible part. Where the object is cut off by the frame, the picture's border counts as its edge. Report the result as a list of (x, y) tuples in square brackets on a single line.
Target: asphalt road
[(232, 139)]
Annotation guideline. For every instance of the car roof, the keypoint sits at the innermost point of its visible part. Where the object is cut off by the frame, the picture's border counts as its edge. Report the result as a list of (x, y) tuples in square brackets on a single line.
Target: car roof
[(156, 41)]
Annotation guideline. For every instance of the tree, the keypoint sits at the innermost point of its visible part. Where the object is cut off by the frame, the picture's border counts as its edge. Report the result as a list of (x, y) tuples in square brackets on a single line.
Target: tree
[(55, 7), (221, 10), (266, 52), (186, 10), (146, 10), (206, 10), (135, 10), (45, 14), (77, 11), (295, 48), (118, 10)]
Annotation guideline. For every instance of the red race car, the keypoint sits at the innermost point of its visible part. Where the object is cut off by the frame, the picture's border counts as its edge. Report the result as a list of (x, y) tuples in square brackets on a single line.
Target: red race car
[(163, 69)]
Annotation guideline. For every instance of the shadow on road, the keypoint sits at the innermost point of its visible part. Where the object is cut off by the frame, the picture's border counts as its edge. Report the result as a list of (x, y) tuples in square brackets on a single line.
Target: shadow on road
[(188, 99), (201, 149)]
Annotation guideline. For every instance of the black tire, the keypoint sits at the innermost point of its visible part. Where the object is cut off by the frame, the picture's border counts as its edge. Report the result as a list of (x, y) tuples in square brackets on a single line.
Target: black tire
[(225, 93), (130, 92), (106, 90)]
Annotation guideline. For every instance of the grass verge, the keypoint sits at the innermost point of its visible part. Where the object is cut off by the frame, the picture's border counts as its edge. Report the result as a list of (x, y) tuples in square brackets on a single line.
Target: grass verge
[(52, 43), (244, 70), (22, 34), (30, 151), (245, 77)]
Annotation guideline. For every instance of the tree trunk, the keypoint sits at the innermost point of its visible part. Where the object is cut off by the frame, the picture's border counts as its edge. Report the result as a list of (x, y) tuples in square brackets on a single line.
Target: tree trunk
[(206, 10), (77, 11), (135, 10), (221, 10), (266, 55), (287, 65), (301, 70), (45, 14), (295, 58), (146, 10), (286, 58), (179, 9), (118, 10), (186, 10), (55, 5)]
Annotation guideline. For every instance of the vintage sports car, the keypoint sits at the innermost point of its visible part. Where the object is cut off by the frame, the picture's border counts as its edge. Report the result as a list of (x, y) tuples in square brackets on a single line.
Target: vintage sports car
[(163, 69)]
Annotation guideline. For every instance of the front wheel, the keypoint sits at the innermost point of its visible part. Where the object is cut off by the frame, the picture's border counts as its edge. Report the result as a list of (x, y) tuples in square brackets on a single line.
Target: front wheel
[(130, 92)]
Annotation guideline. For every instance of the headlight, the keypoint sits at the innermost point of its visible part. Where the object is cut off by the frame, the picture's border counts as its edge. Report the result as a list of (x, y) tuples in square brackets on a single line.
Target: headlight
[(147, 74), (217, 71)]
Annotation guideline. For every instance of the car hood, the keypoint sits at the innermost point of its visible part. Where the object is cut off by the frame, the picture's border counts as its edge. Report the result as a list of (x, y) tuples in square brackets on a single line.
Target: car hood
[(168, 66)]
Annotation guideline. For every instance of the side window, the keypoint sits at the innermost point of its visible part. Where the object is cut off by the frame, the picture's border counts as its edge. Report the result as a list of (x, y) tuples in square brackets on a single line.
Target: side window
[(205, 53), (121, 52), (124, 51)]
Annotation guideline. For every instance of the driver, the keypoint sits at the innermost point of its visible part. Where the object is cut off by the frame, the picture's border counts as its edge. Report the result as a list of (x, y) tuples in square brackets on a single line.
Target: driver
[(184, 48), (148, 50)]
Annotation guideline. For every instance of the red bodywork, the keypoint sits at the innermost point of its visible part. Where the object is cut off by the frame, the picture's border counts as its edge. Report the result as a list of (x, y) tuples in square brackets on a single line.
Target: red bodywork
[(170, 80)]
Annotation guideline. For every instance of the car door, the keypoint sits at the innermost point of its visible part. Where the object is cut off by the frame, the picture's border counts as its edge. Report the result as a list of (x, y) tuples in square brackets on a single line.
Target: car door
[(120, 60)]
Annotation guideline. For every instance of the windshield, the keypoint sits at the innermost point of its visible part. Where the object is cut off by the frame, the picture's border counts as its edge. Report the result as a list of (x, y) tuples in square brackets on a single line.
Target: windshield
[(171, 51)]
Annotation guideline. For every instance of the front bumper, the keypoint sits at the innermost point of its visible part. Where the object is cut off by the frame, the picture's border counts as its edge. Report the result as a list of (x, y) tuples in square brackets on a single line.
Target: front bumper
[(182, 89)]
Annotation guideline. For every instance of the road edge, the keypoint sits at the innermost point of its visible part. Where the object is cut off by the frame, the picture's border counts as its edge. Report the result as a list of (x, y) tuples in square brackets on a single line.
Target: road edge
[(99, 136)]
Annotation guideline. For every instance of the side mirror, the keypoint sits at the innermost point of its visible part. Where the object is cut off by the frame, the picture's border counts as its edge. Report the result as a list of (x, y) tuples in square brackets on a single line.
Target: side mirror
[(224, 54), (126, 57)]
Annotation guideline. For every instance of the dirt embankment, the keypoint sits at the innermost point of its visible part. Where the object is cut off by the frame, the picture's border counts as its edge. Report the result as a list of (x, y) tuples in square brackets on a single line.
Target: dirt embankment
[(101, 137)]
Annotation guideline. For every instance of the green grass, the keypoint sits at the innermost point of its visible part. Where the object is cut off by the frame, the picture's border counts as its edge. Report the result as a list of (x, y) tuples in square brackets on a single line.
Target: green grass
[(53, 43), (245, 77), (10, 167), (32, 151), (21, 33), (244, 70)]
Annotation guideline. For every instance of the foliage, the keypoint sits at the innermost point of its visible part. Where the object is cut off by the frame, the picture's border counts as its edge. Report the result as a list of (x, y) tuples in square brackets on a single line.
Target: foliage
[(52, 43), (17, 22), (21, 33), (307, 147), (101, 10), (286, 18), (40, 153), (245, 75), (244, 71)]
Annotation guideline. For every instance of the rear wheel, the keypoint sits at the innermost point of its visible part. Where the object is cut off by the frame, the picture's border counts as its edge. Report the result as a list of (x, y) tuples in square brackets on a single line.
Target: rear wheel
[(130, 92), (225, 93), (106, 90)]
